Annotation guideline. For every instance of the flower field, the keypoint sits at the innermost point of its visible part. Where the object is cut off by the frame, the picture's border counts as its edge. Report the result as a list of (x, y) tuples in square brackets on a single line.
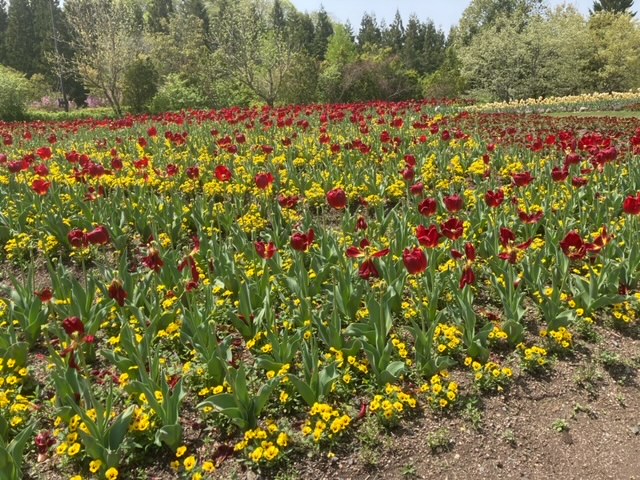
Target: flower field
[(252, 285)]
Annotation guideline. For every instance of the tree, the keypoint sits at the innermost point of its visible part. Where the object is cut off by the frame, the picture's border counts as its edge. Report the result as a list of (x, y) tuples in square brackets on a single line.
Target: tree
[(3, 30), (158, 15), (394, 35), (369, 31), (251, 51), (615, 6), (105, 47), (481, 14), (323, 30), (341, 51), (140, 85), (198, 9), (20, 48)]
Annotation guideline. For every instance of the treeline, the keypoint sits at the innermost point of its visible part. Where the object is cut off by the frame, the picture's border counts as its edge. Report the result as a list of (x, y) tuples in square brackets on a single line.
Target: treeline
[(170, 54)]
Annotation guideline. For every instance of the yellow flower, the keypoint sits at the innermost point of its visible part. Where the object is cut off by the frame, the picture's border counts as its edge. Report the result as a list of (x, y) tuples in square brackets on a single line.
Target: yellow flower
[(95, 465), (111, 474), (181, 451), (189, 463), (73, 449), (208, 467)]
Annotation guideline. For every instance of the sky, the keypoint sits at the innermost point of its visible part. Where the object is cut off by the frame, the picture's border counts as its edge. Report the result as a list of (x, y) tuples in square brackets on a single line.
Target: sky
[(443, 13)]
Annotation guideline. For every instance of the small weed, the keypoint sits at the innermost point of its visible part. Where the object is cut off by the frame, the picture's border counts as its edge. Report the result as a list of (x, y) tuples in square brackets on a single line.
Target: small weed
[(560, 425), (472, 413), (610, 359), (510, 437), (439, 441), (369, 457), (588, 377), (409, 471), (577, 408), (621, 400)]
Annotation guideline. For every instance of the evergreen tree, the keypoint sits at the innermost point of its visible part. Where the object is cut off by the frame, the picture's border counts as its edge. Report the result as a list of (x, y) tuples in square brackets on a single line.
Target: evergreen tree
[(433, 49), (414, 41), (302, 31), (322, 32), (616, 6), (20, 48), (369, 31), (394, 35), (3, 29), (278, 17), (158, 15)]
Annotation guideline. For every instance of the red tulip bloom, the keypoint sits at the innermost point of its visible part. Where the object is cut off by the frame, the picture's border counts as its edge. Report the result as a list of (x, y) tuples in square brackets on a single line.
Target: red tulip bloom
[(522, 179), (73, 325), (153, 261), (44, 295), (559, 175), (288, 202), (77, 238), (337, 198), (468, 277), (530, 218), (453, 203), (223, 174), (263, 180), (266, 250), (408, 174), (414, 260), (573, 246), (98, 236), (361, 224), (302, 241), (572, 159), (631, 205), (452, 228), (428, 237), (193, 172), (417, 189), (428, 207), (507, 240), (494, 199), (44, 153), (599, 242), (117, 292), (41, 170), (40, 186)]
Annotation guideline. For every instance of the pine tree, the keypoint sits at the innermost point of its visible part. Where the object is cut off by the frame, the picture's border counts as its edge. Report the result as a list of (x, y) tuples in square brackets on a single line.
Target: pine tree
[(302, 31), (369, 31), (394, 35), (3, 29), (20, 51), (434, 48), (158, 15), (615, 6), (414, 41), (323, 31)]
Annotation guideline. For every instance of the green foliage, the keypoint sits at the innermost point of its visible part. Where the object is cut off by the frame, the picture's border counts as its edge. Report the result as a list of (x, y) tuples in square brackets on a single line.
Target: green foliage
[(19, 45), (14, 94), (177, 94), (615, 6), (140, 85)]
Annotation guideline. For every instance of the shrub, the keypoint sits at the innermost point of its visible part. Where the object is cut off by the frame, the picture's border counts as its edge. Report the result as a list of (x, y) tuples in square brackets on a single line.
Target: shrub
[(14, 94), (177, 94), (140, 85)]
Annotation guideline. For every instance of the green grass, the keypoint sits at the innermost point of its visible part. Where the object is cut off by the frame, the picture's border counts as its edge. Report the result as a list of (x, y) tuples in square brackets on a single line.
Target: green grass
[(82, 113)]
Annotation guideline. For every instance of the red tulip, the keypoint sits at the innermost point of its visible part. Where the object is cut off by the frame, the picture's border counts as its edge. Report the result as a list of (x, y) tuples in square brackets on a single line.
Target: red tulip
[(417, 189), (572, 159), (428, 237), (559, 175), (288, 202), (428, 207), (631, 205), (153, 261), (468, 277), (337, 198), (98, 236), (452, 229), (414, 260), (530, 218), (77, 238), (573, 246), (223, 174), (40, 186), (266, 250), (368, 270), (117, 292), (494, 199), (522, 179), (73, 325), (193, 172), (45, 295), (361, 224), (302, 241), (453, 203), (263, 180)]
